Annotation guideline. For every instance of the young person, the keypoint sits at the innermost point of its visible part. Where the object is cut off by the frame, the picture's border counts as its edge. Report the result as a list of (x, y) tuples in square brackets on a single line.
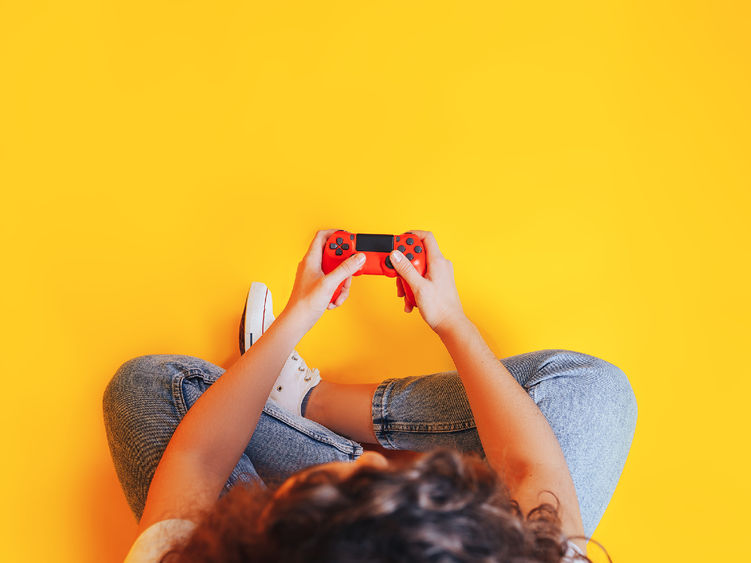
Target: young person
[(265, 461)]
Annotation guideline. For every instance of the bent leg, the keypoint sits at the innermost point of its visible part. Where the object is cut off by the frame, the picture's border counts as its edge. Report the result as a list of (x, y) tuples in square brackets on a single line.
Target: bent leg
[(345, 408), (146, 400), (587, 401)]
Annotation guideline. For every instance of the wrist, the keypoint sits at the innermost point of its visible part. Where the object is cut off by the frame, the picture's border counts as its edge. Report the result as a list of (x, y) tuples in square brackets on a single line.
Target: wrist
[(452, 325), (298, 316)]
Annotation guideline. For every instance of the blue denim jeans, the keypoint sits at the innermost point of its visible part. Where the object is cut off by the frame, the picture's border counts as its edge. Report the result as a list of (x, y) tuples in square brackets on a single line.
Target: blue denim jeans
[(587, 401)]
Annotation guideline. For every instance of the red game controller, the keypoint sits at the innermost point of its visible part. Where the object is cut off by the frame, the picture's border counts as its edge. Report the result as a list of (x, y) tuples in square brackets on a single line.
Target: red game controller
[(343, 244)]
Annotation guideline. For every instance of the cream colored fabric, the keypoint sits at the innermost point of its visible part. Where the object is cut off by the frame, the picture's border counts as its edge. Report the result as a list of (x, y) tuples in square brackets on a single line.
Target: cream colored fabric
[(157, 539), (573, 553)]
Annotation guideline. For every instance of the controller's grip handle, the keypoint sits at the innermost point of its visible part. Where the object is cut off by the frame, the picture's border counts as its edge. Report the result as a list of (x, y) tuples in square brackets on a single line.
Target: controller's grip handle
[(408, 295), (338, 291)]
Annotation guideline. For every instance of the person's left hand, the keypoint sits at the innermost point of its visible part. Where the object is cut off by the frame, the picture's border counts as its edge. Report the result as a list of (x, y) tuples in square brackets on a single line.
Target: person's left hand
[(313, 289)]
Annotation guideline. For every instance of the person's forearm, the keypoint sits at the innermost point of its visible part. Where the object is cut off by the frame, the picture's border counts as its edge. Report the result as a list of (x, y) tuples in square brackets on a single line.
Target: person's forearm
[(514, 433), (217, 428)]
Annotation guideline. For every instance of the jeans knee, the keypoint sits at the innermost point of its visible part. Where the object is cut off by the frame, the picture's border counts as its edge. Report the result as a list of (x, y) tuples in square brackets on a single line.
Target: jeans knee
[(612, 387), (621, 394), (129, 371), (142, 366), (604, 382), (612, 382), (130, 378)]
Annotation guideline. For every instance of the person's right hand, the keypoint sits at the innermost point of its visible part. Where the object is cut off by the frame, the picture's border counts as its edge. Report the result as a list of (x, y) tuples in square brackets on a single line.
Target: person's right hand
[(435, 294)]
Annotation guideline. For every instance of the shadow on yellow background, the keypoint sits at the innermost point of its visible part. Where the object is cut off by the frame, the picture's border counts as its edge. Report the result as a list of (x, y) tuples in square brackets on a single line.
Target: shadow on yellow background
[(584, 166)]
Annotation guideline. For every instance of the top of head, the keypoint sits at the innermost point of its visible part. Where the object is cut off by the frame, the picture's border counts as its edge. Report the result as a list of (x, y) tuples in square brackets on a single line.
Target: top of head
[(343, 244)]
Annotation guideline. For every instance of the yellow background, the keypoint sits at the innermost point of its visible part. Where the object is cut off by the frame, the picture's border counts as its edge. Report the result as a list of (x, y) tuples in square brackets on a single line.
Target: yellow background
[(585, 165)]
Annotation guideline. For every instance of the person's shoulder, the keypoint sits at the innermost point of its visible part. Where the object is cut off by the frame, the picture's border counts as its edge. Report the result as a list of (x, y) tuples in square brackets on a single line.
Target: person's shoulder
[(157, 539)]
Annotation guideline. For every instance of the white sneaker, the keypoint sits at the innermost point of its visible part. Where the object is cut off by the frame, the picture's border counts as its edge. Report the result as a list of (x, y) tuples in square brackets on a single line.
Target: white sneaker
[(296, 378), (293, 383)]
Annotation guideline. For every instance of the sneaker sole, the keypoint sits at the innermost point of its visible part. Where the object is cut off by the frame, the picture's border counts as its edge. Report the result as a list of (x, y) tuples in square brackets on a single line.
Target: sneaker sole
[(251, 324)]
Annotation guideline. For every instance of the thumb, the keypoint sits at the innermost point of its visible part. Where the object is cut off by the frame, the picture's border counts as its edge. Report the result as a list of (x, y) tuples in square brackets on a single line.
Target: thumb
[(346, 269), (405, 269)]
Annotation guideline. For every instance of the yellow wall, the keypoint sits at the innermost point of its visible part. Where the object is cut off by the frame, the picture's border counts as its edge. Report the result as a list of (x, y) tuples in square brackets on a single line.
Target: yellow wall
[(585, 165)]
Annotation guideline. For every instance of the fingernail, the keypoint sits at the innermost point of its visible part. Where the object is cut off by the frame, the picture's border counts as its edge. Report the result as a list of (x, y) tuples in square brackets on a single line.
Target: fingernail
[(396, 256), (361, 257)]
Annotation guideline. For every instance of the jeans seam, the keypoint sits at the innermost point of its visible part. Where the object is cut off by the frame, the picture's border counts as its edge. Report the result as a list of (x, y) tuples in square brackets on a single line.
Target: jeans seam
[(177, 394), (177, 388), (431, 426), (383, 427), (380, 424), (346, 446)]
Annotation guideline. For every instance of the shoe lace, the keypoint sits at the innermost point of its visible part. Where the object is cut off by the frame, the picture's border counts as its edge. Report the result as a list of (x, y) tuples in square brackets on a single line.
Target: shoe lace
[(310, 373)]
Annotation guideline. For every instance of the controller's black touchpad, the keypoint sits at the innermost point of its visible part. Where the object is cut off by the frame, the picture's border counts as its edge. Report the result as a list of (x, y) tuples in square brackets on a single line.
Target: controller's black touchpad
[(374, 243)]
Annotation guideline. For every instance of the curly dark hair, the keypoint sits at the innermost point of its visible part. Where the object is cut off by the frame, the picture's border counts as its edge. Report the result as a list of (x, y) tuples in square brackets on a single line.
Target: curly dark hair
[(443, 506)]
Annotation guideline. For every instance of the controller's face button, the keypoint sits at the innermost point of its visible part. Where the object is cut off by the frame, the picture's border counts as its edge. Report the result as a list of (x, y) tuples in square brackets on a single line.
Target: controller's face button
[(338, 251), (345, 246), (418, 249), (351, 237), (332, 246), (410, 256), (339, 240), (410, 240), (388, 263), (402, 248)]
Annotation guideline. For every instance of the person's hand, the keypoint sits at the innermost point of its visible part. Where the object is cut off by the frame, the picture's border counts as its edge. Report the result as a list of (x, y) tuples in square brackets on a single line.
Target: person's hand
[(312, 291), (435, 294)]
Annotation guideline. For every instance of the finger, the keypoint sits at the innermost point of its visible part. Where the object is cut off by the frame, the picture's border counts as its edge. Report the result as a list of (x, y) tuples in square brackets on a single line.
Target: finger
[(406, 270), (315, 250), (432, 251), (344, 293), (430, 243), (344, 270), (399, 288)]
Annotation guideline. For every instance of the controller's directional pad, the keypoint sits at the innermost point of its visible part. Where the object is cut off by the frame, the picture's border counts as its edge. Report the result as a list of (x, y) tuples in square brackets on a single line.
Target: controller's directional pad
[(340, 246)]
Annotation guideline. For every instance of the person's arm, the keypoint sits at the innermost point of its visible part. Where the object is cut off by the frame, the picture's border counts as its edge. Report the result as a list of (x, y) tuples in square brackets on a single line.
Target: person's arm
[(518, 441), (212, 436)]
